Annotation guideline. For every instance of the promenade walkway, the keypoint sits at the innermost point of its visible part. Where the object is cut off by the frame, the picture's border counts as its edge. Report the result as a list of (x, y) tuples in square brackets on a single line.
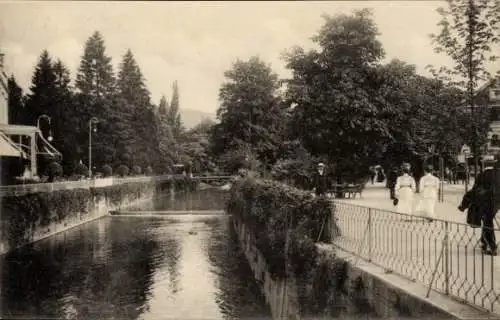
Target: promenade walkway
[(444, 254)]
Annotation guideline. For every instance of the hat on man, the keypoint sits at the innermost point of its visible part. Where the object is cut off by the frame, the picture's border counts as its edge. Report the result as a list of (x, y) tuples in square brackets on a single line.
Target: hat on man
[(321, 164)]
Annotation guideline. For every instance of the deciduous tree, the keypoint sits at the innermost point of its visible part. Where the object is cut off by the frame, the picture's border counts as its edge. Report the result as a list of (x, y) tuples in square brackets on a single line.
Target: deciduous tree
[(469, 29), (251, 115), (337, 114)]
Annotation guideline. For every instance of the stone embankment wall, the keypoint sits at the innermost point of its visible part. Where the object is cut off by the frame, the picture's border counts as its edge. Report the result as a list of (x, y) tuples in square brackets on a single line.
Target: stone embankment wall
[(27, 218), (358, 293), (280, 294)]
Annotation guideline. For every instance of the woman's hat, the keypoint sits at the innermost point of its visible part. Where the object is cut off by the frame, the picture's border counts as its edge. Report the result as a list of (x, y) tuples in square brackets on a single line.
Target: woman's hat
[(321, 164)]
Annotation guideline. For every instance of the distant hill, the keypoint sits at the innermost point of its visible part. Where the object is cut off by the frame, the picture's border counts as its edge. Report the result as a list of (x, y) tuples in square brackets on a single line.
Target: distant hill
[(191, 118)]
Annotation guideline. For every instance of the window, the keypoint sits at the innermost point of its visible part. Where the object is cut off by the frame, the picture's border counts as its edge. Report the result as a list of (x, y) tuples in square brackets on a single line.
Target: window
[(494, 114)]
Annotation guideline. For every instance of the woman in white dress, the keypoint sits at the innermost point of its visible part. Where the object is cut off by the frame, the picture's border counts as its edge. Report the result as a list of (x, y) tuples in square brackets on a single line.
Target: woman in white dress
[(404, 189), (429, 188)]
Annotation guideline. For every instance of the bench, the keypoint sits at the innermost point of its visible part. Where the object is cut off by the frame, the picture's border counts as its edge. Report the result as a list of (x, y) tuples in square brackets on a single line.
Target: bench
[(348, 190)]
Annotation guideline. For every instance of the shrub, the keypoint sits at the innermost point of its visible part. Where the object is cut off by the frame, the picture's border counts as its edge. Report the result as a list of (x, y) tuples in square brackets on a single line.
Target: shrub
[(107, 171), (54, 170), (136, 170), (148, 171), (22, 213), (277, 214), (81, 169), (122, 170)]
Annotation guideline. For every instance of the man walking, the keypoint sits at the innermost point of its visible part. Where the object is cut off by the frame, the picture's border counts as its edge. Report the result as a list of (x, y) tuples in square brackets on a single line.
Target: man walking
[(485, 198), (320, 180), (392, 176)]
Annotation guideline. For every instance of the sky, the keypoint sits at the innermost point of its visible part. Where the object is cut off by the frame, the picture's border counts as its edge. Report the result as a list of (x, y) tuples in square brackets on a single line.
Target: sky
[(195, 42)]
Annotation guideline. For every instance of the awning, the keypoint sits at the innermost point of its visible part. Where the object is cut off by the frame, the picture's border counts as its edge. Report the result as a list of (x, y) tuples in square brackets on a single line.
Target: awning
[(8, 148)]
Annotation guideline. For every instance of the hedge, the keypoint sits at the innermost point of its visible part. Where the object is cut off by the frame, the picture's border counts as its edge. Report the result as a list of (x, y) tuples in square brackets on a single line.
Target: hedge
[(273, 210), (25, 212)]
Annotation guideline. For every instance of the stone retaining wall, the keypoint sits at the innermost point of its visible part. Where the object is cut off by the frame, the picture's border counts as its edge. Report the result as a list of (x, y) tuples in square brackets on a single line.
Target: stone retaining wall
[(280, 294), (98, 206)]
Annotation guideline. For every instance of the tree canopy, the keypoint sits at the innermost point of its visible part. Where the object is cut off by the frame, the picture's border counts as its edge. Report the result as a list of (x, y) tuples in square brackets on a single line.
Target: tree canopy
[(251, 113)]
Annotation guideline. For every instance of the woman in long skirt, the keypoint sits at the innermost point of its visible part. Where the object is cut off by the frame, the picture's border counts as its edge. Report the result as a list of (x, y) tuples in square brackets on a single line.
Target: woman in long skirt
[(429, 188), (404, 189)]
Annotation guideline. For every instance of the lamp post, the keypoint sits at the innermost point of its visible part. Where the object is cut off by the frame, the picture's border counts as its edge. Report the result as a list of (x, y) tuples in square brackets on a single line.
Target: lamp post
[(432, 151), (44, 116), (92, 120)]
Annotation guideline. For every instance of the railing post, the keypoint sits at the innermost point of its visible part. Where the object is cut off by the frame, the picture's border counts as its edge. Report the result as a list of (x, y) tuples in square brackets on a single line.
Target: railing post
[(446, 258), (369, 234)]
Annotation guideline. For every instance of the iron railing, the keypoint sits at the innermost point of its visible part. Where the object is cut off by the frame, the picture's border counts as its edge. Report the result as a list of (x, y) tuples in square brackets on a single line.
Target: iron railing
[(443, 255)]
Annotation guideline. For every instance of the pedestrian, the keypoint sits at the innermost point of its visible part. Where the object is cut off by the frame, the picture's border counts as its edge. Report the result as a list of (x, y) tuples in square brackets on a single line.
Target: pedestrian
[(373, 173), (380, 175), (447, 173), (392, 176), (483, 202), (429, 189), (320, 180), (404, 190)]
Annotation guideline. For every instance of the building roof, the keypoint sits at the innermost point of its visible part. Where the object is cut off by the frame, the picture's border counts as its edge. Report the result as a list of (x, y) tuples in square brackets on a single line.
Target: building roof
[(488, 84), (18, 129), (8, 148)]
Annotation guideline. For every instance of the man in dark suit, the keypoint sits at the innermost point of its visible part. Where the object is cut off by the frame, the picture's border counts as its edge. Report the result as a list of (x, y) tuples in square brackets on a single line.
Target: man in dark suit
[(392, 176), (484, 199), (320, 180)]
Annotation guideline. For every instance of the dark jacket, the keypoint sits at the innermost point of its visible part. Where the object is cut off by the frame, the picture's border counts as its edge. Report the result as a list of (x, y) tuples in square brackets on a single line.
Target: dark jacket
[(484, 197), (473, 201), (320, 182), (392, 176)]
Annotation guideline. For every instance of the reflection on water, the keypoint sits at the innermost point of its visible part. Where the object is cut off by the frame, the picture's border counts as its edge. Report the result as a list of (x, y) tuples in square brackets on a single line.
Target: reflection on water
[(210, 199), (183, 267)]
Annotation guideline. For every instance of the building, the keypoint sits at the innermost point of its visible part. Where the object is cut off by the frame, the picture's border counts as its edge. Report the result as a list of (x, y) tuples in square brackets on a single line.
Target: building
[(489, 96), (13, 137)]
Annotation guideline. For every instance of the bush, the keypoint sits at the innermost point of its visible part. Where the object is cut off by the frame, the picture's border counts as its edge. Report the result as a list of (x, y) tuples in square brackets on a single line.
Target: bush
[(277, 213), (54, 170), (122, 170), (148, 171), (81, 169), (107, 171), (136, 170)]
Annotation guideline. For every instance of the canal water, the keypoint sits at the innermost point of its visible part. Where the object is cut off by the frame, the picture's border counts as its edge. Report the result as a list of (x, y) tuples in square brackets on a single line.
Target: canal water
[(165, 267)]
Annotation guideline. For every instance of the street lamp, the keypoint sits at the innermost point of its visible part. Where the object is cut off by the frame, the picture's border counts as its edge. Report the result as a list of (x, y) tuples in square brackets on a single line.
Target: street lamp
[(432, 151), (44, 116), (92, 120)]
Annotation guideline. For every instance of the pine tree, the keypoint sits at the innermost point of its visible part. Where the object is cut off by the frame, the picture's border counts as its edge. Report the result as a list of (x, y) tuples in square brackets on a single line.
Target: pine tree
[(66, 124), (138, 113), (173, 114), (51, 95), (164, 139), (95, 77), (39, 101), (17, 112), (97, 97), (163, 106)]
